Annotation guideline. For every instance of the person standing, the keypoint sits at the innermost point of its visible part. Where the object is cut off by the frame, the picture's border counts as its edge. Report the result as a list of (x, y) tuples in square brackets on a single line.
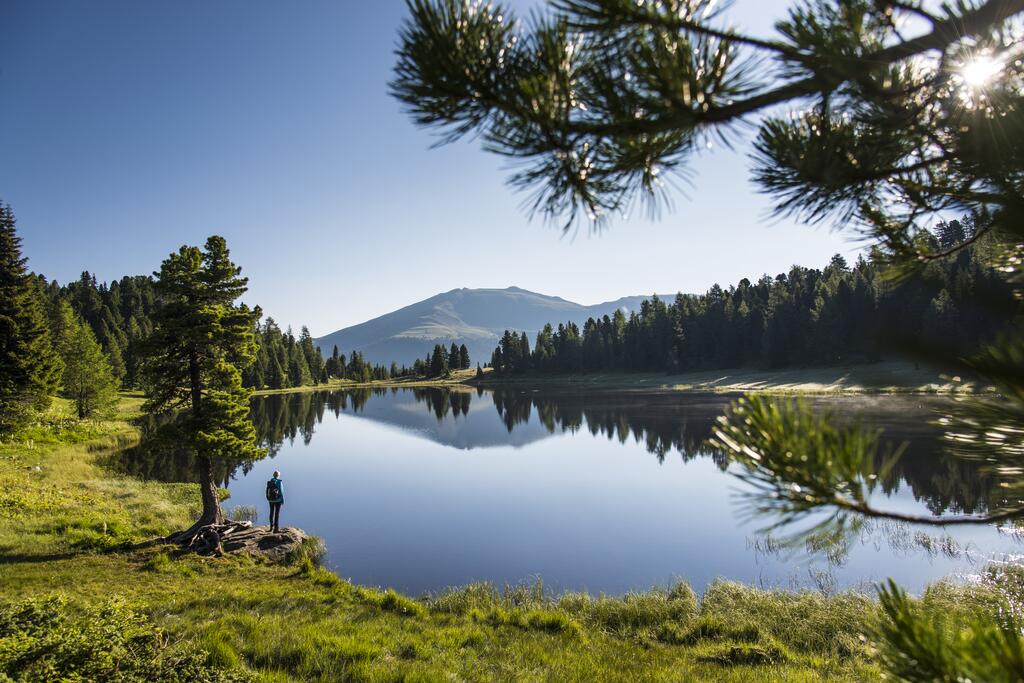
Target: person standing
[(275, 496)]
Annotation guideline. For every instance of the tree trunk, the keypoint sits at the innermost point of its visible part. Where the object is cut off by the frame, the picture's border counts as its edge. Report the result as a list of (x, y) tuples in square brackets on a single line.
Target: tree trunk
[(212, 513)]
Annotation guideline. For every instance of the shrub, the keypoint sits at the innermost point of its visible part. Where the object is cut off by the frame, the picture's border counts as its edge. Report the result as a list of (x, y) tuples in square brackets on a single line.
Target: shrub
[(44, 639)]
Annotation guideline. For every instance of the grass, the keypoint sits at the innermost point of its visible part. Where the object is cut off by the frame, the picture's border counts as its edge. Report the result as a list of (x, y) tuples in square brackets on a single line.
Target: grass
[(64, 528)]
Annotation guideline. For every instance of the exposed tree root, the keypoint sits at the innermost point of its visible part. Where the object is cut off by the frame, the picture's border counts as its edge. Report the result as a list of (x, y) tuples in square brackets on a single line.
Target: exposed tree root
[(233, 537)]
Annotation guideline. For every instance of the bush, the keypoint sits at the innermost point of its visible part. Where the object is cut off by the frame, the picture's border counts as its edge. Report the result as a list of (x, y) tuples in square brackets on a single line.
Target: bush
[(44, 639)]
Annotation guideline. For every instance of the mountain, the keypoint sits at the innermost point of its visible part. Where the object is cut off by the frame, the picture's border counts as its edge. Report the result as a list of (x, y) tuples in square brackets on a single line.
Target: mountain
[(474, 317)]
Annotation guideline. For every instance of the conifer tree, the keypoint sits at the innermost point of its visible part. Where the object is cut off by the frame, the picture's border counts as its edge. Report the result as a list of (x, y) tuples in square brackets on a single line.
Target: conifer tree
[(88, 379), (464, 363), (454, 359), (438, 361), (30, 368), (200, 342)]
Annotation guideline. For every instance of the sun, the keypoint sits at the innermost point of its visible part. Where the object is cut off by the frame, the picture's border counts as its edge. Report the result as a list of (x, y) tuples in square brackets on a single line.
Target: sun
[(980, 70)]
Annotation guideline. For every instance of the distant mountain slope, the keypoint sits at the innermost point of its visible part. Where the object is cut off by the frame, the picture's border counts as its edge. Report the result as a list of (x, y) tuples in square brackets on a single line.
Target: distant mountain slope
[(474, 317)]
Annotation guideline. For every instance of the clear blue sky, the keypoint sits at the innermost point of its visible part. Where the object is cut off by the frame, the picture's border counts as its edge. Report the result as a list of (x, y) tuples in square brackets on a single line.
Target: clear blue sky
[(128, 129)]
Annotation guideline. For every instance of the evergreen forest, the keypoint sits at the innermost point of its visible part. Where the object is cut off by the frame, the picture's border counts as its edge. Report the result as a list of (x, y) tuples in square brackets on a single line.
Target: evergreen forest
[(839, 314)]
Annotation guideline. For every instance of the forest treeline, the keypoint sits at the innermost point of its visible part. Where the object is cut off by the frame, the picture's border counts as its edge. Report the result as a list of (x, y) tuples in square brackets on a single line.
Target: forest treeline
[(120, 315), (839, 314)]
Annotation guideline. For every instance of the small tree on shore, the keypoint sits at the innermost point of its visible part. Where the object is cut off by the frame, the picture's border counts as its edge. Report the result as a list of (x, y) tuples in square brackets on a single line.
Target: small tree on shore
[(88, 378), (201, 341)]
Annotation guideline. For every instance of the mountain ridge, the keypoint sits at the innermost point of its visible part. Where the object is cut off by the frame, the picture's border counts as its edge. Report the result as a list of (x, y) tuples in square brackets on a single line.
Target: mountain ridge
[(475, 317)]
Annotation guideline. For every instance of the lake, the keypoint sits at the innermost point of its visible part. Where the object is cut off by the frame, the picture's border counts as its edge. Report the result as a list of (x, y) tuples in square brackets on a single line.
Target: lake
[(585, 489)]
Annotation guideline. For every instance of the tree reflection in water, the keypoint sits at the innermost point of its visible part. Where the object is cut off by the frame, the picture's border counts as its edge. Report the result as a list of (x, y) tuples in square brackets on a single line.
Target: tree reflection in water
[(663, 422)]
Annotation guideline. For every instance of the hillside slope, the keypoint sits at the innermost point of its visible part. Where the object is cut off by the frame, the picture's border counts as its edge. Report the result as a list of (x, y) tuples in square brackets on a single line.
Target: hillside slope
[(474, 317)]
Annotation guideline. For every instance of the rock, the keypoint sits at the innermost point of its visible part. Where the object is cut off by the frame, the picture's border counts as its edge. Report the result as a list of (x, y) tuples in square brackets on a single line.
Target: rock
[(262, 542), (243, 537)]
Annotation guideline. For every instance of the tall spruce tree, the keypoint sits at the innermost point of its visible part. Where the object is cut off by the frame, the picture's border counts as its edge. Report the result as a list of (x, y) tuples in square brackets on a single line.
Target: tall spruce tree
[(30, 368), (200, 342), (860, 122), (464, 357)]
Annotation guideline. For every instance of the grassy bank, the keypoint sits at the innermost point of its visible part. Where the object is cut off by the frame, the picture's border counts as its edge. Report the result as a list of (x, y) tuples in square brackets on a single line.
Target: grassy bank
[(891, 377), (72, 596)]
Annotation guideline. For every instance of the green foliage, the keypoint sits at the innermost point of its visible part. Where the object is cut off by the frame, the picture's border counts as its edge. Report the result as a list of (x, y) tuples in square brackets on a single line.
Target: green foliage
[(88, 379), (601, 99), (119, 314), (919, 647), (48, 639), (796, 460), (30, 368)]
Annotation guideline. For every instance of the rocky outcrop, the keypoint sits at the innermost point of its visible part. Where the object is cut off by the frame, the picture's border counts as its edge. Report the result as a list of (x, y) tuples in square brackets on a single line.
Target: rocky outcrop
[(243, 537)]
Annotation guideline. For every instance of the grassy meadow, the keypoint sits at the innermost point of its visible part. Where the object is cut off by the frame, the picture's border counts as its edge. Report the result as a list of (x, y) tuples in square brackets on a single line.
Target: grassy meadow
[(77, 599)]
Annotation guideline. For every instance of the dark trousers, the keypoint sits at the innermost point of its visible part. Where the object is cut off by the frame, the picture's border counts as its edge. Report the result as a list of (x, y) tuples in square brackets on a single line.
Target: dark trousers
[(275, 514)]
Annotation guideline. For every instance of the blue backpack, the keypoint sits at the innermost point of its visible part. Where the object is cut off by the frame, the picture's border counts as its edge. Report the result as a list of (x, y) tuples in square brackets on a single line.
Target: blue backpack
[(273, 491)]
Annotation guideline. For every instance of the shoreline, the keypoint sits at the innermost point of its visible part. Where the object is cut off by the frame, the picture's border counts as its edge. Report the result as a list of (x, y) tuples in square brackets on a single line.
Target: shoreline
[(882, 378)]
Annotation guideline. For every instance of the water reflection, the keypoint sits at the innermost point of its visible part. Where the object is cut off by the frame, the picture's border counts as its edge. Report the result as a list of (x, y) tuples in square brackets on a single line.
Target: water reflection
[(664, 423), (420, 488)]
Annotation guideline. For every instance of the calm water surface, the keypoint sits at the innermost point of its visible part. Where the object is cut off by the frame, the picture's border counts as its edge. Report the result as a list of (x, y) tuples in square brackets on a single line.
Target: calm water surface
[(608, 491)]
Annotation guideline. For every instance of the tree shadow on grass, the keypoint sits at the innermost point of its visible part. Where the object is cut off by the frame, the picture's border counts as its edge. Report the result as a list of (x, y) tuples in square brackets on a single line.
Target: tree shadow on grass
[(9, 556)]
